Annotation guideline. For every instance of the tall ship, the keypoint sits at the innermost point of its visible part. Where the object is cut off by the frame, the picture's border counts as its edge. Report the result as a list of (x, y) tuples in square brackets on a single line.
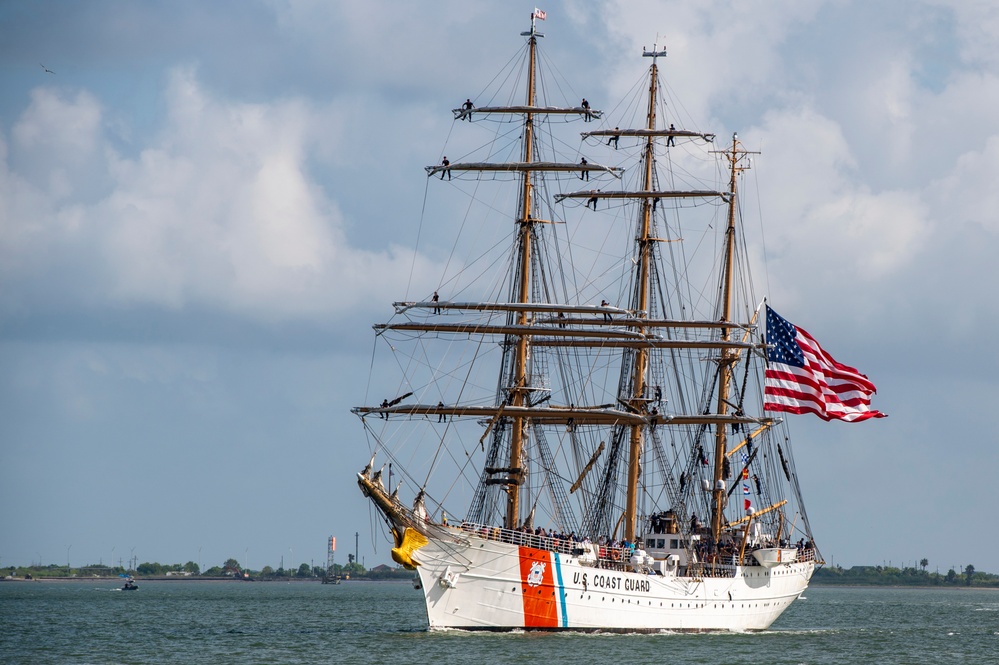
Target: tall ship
[(579, 426)]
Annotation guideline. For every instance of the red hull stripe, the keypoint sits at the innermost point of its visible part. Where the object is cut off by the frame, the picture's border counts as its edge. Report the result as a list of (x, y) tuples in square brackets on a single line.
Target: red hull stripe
[(537, 587)]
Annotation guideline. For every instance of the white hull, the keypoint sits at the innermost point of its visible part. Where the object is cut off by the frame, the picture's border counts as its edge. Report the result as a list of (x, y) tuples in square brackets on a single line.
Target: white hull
[(485, 584)]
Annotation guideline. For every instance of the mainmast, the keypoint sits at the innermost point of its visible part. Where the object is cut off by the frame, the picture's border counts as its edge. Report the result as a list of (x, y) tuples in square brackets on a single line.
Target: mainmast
[(642, 304), (727, 356)]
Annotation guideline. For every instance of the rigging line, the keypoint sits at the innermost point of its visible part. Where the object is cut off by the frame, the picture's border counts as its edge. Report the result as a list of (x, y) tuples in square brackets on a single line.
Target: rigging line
[(371, 367), (455, 245), (500, 258), (448, 263), (748, 287), (676, 358), (462, 474), (512, 142), (797, 488), (413, 358), (613, 268), (380, 446), (552, 469), (680, 257), (707, 292), (422, 360), (553, 481), (450, 131), (419, 234), (763, 240), (514, 81), (403, 469), (630, 100), (568, 248), (473, 197), (677, 103), (553, 255), (371, 524), (509, 68), (462, 466), (556, 77), (576, 354)]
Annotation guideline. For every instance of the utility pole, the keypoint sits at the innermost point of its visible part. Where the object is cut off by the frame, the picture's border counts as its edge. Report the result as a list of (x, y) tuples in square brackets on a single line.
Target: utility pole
[(357, 539)]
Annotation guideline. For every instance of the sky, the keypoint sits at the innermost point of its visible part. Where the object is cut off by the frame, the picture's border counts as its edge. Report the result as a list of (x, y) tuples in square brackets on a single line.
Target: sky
[(205, 206)]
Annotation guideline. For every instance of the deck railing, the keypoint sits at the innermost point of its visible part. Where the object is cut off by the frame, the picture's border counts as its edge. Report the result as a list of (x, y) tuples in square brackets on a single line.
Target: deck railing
[(610, 558)]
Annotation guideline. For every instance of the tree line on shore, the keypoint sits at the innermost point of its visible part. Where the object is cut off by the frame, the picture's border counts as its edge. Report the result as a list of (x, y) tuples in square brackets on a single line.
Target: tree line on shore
[(831, 575), (905, 576), (229, 569)]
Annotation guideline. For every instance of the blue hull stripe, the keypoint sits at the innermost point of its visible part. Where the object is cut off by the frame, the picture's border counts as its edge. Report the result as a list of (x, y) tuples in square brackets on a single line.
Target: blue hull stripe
[(561, 590)]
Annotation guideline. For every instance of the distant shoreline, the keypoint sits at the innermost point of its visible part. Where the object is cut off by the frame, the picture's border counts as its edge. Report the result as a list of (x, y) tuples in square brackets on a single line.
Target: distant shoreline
[(931, 587), (316, 580), (198, 578)]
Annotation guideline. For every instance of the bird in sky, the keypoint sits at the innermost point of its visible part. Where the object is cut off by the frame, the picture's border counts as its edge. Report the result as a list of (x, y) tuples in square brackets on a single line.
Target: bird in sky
[(47, 70)]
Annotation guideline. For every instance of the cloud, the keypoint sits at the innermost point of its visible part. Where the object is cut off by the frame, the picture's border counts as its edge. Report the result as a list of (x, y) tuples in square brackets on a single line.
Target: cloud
[(57, 140), (968, 193), (816, 203), (218, 209), (714, 63), (978, 27)]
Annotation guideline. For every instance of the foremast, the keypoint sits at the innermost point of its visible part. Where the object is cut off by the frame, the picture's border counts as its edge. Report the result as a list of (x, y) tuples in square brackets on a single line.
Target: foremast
[(514, 408)]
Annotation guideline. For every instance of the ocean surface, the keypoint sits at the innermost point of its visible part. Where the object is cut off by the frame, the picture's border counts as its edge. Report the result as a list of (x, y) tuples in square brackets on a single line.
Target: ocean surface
[(384, 623)]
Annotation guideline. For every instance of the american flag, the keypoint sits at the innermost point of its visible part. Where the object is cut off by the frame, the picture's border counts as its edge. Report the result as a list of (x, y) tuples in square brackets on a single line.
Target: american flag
[(538, 14), (802, 378)]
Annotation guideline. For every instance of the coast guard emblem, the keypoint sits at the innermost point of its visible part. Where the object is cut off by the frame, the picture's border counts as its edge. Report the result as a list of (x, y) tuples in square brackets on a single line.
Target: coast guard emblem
[(537, 574)]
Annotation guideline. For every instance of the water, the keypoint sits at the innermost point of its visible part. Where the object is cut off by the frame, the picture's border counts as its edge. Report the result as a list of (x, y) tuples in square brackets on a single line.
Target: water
[(383, 622)]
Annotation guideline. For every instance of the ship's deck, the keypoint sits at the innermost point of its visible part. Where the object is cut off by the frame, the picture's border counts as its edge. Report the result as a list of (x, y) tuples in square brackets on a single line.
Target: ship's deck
[(617, 557)]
